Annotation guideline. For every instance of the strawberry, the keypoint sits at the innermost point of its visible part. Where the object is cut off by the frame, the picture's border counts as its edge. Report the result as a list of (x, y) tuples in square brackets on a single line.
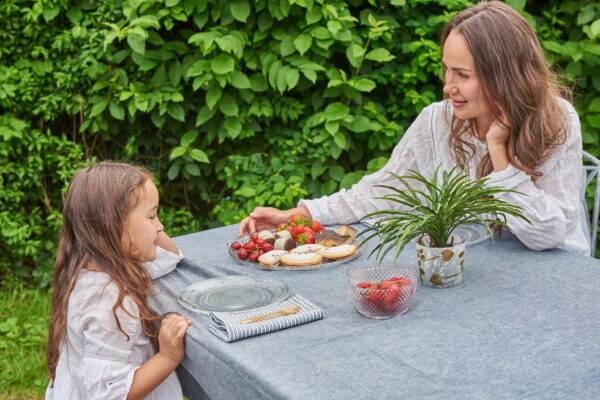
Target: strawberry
[(316, 226), (307, 237)]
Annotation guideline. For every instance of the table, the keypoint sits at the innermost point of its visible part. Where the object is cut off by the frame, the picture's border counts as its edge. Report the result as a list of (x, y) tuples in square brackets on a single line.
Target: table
[(522, 325)]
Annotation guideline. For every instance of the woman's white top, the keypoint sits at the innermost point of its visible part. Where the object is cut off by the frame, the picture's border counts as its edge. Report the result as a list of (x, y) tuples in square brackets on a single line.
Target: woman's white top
[(96, 359), (552, 202)]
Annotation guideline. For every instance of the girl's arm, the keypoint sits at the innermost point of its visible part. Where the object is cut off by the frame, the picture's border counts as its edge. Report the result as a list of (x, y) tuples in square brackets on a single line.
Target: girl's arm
[(167, 243), (154, 371)]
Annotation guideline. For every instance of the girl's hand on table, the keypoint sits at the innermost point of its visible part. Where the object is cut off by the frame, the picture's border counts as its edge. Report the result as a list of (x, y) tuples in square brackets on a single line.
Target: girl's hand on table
[(170, 337)]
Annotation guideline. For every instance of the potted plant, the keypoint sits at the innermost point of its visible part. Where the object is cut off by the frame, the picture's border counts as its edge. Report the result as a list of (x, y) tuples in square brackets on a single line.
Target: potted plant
[(430, 211)]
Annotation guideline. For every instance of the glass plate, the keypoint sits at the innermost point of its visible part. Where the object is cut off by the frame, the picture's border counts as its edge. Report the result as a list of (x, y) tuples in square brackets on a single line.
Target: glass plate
[(473, 233), (233, 294)]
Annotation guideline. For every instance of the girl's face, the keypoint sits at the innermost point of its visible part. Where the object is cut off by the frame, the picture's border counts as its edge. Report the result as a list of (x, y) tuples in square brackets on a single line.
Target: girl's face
[(461, 83), (142, 225)]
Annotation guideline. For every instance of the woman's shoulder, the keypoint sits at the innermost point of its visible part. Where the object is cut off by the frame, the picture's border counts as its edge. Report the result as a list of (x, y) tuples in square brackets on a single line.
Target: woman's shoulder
[(566, 106)]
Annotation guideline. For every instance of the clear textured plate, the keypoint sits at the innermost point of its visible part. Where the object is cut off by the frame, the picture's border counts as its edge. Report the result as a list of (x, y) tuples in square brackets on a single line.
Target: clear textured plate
[(473, 233), (233, 294)]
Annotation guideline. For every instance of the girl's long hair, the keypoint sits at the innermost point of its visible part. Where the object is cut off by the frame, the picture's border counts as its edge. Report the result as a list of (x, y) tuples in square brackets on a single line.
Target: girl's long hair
[(514, 78), (98, 202)]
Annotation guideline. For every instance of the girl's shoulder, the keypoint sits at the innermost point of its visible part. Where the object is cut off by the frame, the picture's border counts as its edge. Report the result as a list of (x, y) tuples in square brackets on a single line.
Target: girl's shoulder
[(96, 290)]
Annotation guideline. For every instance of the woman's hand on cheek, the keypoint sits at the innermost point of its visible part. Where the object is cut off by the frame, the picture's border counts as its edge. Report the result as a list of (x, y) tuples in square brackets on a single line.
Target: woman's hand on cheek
[(498, 132)]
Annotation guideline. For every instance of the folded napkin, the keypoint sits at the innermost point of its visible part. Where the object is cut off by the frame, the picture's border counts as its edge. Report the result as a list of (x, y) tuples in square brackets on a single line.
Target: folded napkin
[(226, 326)]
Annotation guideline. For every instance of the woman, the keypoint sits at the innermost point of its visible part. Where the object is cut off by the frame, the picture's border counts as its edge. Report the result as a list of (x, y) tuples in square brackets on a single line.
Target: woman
[(503, 117)]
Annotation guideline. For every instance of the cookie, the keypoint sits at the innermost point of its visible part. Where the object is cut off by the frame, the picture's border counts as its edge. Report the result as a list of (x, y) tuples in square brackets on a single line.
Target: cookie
[(337, 252), (271, 257), (307, 248), (284, 244), (300, 260)]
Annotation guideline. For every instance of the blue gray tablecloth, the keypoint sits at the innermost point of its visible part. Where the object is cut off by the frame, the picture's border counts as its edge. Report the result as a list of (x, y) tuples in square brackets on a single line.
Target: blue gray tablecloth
[(522, 325)]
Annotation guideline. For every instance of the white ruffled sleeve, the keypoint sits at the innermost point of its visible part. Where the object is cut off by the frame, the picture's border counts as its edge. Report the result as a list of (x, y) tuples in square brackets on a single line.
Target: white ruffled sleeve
[(351, 205), (165, 262), (106, 370), (553, 202)]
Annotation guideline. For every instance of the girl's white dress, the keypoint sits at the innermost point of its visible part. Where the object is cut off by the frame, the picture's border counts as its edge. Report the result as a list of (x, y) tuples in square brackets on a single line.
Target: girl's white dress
[(96, 360), (552, 202)]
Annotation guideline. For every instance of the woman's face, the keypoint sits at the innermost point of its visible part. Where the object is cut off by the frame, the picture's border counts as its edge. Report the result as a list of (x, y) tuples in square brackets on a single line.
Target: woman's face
[(461, 83), (142, 225)]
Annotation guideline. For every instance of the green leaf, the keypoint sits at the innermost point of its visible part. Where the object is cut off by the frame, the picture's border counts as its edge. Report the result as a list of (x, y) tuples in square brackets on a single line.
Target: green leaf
[(239, 80), (99, 107), (350, 179), (175, 72), (116, 110), (362, 84), (199, 155), (246, 192), (287, 46), (233, 126), (204, 115), (222, 64), (332, 127), (335, 111), (176, 111), (303, 43), (240, 10), (398, 3), (595, 28), (594, 120), (292, 76), (192, 169), (317, 170), (137, 43), (174, 170), (188, 138), (228, 105), (360, 124), (178, 152), (313, 15), (340, 139), (380, 55), (279, 187), (336, 172), (258, 83), (595, 105), (213, 94)]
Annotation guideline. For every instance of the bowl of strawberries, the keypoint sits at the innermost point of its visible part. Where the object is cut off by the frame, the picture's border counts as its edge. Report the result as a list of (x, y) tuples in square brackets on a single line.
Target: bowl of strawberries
[(382, 292)]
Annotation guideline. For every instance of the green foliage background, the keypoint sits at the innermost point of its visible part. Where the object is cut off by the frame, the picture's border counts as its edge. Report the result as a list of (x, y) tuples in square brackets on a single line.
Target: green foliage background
[(232, 104)]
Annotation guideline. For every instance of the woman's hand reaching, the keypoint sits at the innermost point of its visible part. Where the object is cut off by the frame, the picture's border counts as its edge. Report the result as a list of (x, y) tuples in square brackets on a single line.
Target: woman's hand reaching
[(268, 218)]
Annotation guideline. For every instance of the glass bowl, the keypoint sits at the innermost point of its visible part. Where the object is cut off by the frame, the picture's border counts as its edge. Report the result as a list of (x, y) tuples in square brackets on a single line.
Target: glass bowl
[(382, 292)]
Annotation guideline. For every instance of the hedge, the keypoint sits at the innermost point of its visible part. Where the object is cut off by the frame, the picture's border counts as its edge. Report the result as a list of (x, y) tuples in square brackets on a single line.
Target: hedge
[(232, 104)]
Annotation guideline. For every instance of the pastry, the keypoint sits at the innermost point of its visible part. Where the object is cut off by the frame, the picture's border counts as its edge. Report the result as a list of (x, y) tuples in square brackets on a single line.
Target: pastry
[(346, 230), (265, 235), (337, 252), (284, 244), (271, 257), (300, 260), (307, 248), (283, 235)]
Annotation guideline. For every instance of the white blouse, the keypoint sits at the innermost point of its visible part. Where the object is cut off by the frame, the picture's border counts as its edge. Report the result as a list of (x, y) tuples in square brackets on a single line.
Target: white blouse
[(96, 359), (552, 202)]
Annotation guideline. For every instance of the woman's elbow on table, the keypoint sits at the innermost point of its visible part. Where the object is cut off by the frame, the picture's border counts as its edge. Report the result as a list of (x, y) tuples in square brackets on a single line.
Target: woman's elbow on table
[(543, 235)]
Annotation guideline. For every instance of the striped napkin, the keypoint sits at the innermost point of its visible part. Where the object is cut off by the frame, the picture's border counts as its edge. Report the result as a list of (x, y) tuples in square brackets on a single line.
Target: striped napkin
[(226, 326)]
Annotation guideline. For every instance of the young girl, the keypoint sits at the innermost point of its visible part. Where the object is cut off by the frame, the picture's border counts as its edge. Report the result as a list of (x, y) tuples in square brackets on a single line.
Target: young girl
[(104, 341), (503, 118)]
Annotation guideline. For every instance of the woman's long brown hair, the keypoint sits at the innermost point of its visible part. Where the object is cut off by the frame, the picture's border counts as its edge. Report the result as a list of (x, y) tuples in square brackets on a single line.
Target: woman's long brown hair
[(98, 202), (514, 78)]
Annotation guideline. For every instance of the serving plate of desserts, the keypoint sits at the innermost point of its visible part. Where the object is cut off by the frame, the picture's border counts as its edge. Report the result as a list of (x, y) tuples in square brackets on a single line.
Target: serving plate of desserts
[(301, 245)]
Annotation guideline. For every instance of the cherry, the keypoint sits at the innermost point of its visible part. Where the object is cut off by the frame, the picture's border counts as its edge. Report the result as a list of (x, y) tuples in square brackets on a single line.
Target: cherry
[(242, 254), (236, 245), (253, 257), (254, 237), (250, 246), (260, 242)]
